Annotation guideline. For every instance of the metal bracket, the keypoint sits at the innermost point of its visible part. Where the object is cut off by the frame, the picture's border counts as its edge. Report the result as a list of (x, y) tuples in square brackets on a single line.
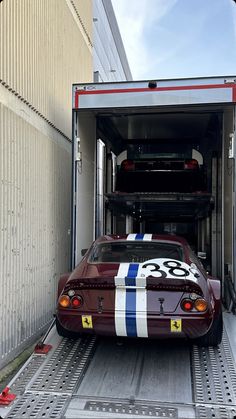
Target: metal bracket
[(231, 146)]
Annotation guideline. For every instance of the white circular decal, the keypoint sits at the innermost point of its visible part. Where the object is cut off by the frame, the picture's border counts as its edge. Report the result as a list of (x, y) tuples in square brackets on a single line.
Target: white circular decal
[(166, 268)]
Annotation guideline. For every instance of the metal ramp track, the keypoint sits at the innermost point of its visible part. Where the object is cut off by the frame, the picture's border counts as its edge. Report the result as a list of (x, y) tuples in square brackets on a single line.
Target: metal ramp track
[(106, 378)]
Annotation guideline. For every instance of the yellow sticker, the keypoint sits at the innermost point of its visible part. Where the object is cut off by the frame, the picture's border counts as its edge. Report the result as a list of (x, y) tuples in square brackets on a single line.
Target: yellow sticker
[(87, 322), (176, 325)]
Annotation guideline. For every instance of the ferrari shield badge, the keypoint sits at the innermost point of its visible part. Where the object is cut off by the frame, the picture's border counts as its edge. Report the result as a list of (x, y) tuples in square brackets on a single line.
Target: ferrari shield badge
[(176, 325), (87, 322)]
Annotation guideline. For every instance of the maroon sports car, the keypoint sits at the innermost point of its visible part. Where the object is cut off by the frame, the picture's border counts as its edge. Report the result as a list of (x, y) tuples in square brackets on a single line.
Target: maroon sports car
[(160, 175), (140, 285)]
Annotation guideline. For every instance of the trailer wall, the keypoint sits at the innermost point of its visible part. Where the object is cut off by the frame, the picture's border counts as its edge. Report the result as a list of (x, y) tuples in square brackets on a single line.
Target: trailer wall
[(85, 187), (228, 204)]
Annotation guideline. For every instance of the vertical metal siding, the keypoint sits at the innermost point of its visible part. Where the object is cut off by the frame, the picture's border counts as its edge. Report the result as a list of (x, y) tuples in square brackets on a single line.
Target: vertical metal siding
[(35, 214), (42, 52)]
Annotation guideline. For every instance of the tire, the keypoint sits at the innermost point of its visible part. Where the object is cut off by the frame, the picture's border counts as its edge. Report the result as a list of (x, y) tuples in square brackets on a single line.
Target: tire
[(66, 333), (214, 335)]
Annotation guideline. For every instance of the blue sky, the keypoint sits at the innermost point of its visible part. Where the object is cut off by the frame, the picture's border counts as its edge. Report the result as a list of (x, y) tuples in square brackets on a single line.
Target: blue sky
[(178, 38)]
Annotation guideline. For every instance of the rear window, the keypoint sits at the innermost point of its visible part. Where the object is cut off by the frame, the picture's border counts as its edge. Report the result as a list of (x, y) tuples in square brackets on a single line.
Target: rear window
[(134, 252)]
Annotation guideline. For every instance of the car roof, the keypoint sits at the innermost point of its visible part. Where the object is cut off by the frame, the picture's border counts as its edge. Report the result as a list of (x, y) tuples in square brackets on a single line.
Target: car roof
[(155, 237)]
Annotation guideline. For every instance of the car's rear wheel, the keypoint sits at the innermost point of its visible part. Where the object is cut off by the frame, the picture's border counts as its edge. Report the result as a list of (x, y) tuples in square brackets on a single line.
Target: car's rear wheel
[(214, 335), (64, 332)]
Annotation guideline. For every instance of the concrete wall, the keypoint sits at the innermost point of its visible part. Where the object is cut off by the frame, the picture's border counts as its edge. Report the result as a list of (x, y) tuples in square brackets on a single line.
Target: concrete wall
[(45, 46)]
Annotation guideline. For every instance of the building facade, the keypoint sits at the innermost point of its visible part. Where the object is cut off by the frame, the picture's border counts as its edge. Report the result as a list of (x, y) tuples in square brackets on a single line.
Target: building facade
[(109, 58), (45, 46)]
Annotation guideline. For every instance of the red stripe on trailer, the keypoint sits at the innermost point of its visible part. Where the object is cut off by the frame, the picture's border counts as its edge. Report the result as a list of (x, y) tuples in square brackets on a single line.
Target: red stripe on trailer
[(234, 94), (156, 89), (76, 99)]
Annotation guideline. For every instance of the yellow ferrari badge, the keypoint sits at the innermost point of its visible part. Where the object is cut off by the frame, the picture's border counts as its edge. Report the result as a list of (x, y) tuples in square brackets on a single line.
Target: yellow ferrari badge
[(176, 325), (87, 322)]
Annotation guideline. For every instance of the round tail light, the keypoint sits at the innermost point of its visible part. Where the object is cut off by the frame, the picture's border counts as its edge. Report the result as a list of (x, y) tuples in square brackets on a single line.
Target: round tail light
[(191, 164), (127, 165), (200, 304), (76, 301), (187, 304), (64, 301)]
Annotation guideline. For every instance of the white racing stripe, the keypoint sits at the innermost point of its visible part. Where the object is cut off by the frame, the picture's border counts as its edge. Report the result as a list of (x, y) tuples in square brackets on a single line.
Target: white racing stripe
[(147, 237), (131, 237), (120, 311), (120, 300), (139, 236), (121, 274), (141, 312), (130, 302)]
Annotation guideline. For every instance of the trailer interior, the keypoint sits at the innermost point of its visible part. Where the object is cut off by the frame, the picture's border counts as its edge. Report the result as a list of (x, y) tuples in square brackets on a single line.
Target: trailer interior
[(138, 378), (205, 217)]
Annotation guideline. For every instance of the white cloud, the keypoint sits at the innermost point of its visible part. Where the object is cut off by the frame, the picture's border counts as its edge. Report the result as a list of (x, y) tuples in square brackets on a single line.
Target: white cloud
[(132, 20), (195, 38)]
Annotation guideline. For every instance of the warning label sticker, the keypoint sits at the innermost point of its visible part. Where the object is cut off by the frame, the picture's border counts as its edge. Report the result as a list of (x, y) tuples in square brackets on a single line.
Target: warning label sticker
[(87, 322), (176, 325)]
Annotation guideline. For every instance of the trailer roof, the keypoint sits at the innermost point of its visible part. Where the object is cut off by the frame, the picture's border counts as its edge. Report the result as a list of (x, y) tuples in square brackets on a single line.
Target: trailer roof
[(153, 93)]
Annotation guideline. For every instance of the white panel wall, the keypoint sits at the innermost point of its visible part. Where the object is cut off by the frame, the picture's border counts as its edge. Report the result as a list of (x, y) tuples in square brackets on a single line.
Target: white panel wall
[(45, 46), (85, 194)]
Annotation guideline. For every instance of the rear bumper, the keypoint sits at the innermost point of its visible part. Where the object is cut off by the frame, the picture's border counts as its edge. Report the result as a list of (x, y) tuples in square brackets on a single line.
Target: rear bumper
[(158, 326)]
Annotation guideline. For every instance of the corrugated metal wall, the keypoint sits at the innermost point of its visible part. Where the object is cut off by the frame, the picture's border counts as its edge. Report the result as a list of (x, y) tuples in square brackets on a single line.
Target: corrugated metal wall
[(45, 46)]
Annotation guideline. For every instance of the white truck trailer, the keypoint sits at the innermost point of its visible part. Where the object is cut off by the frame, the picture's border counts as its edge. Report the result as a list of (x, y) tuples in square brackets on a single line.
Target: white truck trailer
[(118, 378)]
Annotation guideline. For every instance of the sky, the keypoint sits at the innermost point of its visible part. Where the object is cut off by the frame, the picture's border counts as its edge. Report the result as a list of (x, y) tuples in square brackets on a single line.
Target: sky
[(178, 38)]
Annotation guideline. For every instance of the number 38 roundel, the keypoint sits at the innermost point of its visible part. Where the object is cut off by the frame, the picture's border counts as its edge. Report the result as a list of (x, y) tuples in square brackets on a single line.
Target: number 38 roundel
[(166, 268)]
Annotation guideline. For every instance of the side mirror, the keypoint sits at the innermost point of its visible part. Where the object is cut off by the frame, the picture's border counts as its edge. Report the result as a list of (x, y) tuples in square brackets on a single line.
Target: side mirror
[(83, 251), (201, 255)]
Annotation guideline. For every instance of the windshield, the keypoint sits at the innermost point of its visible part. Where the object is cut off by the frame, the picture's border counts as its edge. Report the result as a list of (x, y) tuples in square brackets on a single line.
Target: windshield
[(134, 252)]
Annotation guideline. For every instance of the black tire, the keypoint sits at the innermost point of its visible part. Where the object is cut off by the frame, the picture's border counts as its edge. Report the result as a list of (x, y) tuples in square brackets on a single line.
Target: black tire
[(214, 335), (66, 333)]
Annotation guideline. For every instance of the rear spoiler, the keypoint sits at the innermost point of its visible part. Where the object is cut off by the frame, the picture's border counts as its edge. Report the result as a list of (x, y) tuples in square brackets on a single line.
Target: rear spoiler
[(181, 285)]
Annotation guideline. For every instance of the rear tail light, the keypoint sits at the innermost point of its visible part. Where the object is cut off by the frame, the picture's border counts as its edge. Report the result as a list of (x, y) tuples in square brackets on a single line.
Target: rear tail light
[(71, 293), (77, 301), (127, 165), (191, 164), (187, 304), (200, 304), (64, 301)]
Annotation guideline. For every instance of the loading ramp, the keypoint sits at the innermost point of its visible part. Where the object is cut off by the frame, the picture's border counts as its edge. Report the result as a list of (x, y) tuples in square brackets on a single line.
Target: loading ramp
[(124, 378)]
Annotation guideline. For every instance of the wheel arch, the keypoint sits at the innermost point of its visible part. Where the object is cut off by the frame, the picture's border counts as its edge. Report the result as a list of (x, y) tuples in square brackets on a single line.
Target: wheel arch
[(216, 288)]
